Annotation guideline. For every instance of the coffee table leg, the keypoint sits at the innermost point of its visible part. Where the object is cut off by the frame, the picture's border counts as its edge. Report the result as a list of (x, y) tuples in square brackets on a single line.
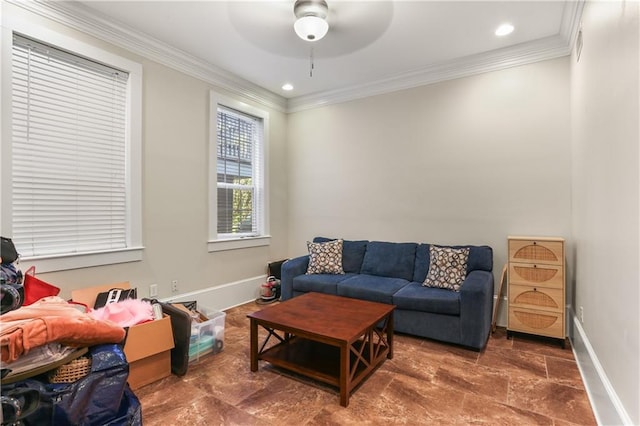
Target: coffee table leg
[(390, 335), (254, 344), (344, 374)]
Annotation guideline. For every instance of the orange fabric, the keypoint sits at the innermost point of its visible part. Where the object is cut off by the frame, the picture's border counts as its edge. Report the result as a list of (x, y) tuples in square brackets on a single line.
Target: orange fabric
[(52, 320)]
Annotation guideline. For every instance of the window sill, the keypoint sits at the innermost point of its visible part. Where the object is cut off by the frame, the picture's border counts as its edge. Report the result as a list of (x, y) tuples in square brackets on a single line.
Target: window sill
[(83, 260), (238, 243)]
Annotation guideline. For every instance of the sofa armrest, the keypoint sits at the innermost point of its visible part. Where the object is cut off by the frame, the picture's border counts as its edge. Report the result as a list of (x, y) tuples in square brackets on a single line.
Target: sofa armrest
[(291, 269), (476, 308)]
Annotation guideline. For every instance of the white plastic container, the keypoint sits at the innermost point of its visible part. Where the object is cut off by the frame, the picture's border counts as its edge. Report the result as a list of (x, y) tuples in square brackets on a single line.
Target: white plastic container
[(207, 336)]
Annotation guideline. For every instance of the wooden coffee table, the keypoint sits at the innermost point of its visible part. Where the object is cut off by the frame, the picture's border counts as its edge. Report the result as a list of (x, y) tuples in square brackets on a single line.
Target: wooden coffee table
[(328, 338)]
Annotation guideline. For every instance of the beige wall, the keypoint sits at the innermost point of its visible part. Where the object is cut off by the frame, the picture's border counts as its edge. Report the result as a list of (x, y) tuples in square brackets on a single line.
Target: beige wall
[(464, 161), (175, 182), (606, 198), (175, 187)]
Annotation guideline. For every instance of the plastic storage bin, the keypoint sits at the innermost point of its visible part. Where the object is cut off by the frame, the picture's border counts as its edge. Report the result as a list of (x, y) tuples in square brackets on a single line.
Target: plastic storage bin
[(207, 336)]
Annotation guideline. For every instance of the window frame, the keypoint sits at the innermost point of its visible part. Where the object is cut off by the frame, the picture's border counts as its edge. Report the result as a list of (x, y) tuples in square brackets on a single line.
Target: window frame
[(59, 262), (216, 241)]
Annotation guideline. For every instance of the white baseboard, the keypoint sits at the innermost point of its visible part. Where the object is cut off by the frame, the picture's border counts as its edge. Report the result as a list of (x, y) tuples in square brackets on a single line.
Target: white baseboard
[(607, 407), (224, 296)]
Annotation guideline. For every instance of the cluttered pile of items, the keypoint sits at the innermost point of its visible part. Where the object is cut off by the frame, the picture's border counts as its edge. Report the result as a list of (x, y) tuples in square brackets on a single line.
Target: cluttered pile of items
[(79, 361), (59, 364)]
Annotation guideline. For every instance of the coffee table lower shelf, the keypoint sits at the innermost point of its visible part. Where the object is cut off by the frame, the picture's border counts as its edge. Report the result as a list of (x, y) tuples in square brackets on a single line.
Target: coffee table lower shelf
[(316, 360)]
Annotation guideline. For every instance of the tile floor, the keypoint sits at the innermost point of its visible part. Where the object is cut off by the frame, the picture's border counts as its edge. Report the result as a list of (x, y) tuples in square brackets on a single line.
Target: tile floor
[(511, 382)]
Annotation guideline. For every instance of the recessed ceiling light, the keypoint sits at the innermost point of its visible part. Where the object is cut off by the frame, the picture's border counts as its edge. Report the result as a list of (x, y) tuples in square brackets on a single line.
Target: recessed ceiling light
[(287, 87), (504, 29)]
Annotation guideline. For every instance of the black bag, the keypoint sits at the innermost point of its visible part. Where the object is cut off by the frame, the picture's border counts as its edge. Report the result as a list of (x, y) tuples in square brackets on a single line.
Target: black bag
[(100, 398), (115, 295), (181, 326), (8, 251)]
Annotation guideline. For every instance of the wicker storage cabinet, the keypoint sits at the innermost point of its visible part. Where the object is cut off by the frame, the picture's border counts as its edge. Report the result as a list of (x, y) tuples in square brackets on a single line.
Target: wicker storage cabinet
[(536, 286)]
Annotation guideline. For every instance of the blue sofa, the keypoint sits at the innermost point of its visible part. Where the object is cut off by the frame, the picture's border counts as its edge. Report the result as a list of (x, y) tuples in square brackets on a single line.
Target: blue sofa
[(393, 273)]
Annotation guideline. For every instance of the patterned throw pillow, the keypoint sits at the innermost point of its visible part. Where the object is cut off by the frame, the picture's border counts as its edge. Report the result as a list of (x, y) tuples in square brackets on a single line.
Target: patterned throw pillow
[(325, 258), (447, 267)]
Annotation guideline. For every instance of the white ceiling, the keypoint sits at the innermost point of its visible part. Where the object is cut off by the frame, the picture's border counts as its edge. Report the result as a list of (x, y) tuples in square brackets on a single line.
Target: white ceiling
[(371, 46)]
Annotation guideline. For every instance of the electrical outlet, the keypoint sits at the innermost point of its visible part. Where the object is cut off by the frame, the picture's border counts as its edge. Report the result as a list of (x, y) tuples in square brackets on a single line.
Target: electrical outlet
[(581, 314), (153, 290), (174, 286)]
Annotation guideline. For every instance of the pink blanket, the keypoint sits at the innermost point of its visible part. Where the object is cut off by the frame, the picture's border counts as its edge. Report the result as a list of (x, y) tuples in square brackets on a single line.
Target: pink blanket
[(125, 313)]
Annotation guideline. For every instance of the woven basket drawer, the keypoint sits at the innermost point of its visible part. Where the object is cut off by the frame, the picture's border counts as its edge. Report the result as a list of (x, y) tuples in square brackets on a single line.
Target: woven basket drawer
[(543, 323), (539, 298), (534, 251), (536, 275)]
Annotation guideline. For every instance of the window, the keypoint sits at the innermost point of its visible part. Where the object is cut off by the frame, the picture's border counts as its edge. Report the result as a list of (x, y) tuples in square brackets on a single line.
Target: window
[(238, 147), (74, 156)]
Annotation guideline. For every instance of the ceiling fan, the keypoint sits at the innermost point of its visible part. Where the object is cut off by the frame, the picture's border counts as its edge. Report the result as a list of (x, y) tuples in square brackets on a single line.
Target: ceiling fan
[(333, 27)]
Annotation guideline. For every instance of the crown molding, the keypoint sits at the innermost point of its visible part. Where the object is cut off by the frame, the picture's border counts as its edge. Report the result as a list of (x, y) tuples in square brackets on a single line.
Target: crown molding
[(513, 56), (571, 21), (80, 18), (526, 53)]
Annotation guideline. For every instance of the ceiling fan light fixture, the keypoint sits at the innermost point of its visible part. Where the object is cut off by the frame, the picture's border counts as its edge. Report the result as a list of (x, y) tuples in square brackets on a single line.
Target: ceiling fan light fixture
[(311, 24)]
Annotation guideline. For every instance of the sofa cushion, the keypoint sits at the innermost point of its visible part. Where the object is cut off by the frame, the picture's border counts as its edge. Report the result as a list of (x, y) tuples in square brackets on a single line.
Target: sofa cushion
[(371, 287), (422, 263), (395, 260), (447, 267), (320, 283), (352, 253), (480, 258), (325, 258), (416, 297)]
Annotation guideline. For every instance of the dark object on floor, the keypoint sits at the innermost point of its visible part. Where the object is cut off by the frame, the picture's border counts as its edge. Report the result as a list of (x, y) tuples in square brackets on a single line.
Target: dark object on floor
[(181, 325), (275, 268), (102, 397)]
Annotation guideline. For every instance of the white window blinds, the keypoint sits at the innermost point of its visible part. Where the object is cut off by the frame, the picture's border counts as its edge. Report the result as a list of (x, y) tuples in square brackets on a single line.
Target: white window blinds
[(69, 180), (239, 173)]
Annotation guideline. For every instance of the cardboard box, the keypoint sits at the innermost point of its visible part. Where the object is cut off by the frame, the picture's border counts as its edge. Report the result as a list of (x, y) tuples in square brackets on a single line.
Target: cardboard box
[(148, 345)]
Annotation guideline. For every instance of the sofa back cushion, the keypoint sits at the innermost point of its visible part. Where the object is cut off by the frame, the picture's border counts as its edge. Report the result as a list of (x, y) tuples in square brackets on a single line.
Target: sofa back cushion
[(480, 258), (352, 253), (385, 259)]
